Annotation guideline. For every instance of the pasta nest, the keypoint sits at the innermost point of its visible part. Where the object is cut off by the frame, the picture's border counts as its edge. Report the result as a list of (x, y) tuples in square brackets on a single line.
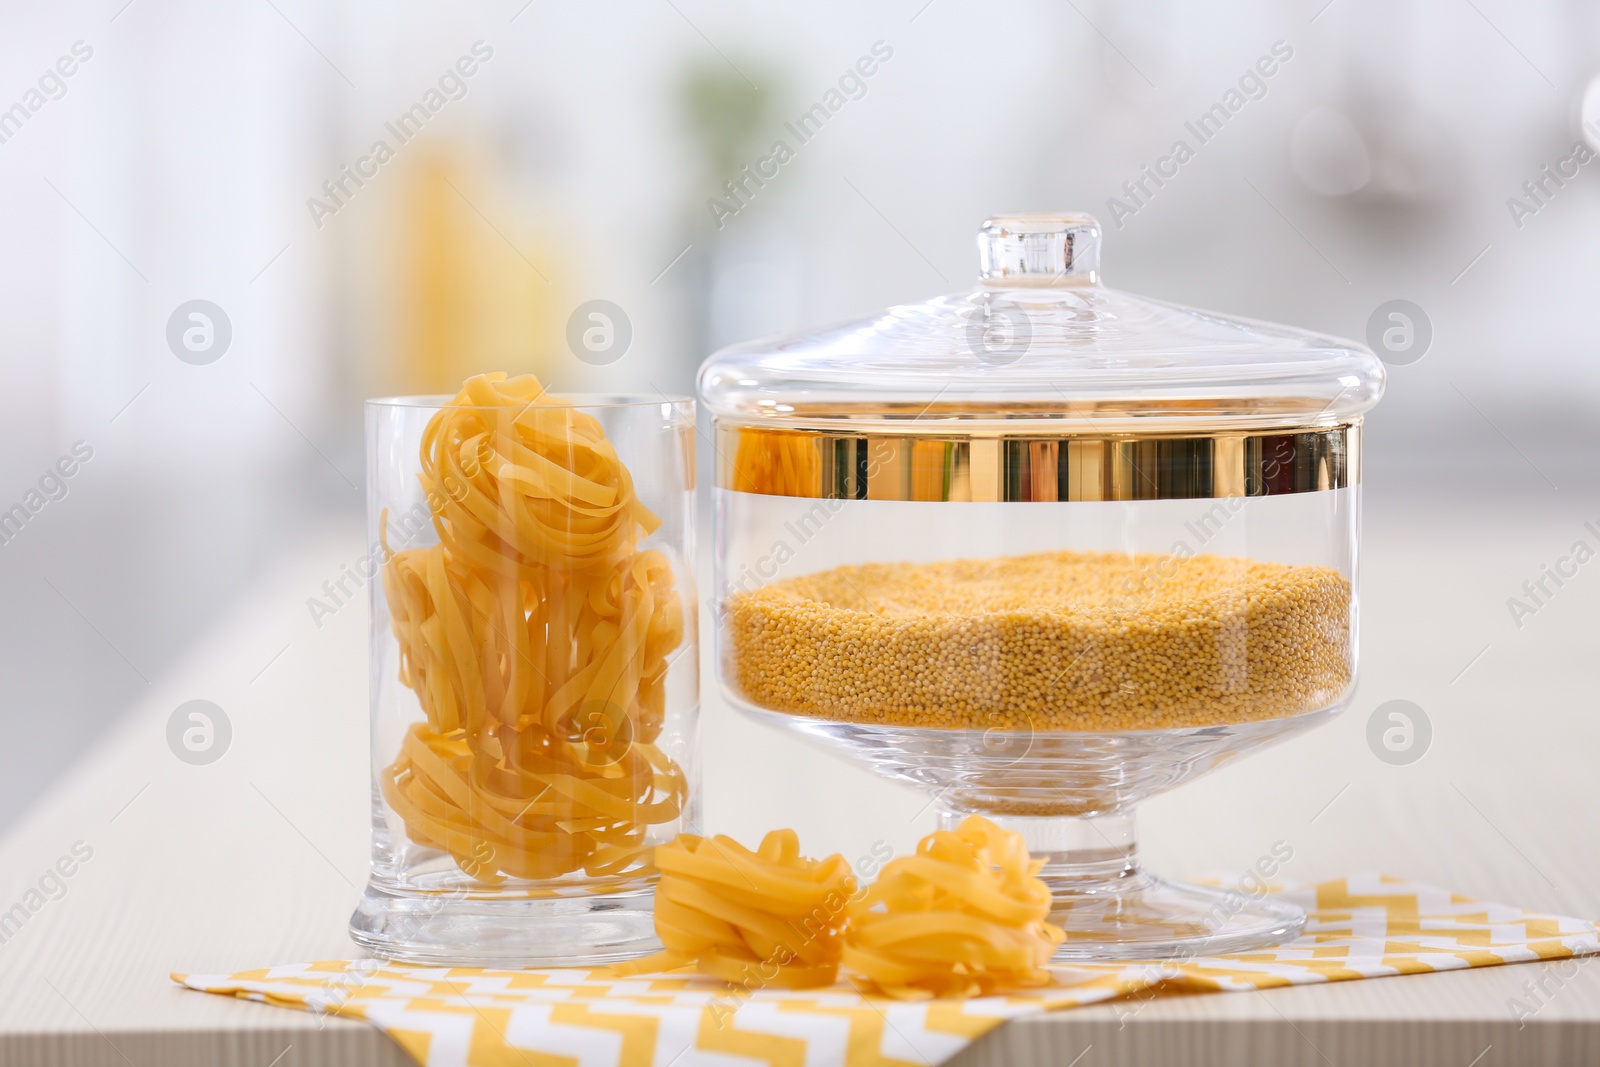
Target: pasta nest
[(524, 480), (965, 915), (768, 918)]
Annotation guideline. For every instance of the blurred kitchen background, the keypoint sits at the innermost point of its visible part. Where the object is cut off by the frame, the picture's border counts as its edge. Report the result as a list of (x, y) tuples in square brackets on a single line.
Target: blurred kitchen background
[(199, 151)]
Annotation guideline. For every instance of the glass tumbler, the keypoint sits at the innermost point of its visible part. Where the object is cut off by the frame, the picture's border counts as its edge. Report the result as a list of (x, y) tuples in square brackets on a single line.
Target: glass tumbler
[(534, 672)]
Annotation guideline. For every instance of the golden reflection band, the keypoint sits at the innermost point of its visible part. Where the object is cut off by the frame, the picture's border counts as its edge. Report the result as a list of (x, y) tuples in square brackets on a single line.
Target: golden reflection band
[(807, 463)]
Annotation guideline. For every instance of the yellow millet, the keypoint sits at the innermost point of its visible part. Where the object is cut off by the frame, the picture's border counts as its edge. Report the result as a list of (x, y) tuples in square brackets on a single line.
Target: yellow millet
[(1054, 641)]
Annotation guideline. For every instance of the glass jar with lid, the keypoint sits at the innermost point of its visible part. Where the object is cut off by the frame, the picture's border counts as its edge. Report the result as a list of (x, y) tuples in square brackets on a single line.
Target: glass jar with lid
[(1046, 549)]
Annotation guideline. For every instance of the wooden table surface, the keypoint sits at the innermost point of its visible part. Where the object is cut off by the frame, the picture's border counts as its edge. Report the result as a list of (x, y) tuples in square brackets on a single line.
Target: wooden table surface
[(258, 858)]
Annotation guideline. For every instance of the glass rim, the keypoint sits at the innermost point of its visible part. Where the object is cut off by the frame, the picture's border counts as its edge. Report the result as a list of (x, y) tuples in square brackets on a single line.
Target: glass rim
[(592, 400)]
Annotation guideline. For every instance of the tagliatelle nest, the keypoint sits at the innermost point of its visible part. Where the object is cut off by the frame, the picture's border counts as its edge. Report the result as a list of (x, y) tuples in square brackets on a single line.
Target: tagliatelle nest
[(964, 916), (769, 918)]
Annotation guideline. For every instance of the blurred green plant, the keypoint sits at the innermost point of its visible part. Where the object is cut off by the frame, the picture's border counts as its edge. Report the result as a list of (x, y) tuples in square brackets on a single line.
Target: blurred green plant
[(725, 112)]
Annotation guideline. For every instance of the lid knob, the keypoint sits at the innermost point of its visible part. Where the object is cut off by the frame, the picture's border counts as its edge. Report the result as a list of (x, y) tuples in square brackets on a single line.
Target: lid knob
[(1039, 249)]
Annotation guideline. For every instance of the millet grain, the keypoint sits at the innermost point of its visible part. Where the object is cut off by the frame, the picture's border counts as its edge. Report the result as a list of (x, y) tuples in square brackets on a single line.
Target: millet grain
[(1062, 641)]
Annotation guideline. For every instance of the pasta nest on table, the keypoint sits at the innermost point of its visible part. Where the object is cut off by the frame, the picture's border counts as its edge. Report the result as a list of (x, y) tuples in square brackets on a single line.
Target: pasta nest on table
[(536, 636), (768, 918), (966, 915)]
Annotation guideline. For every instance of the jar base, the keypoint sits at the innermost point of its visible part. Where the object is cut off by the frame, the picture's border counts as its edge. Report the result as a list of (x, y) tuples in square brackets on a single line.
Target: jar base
[(1113, 909), (1145, 917), (444, 929)]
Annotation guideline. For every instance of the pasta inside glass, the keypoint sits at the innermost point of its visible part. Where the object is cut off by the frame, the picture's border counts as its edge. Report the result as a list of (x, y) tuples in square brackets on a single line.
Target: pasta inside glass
[(534, 670)]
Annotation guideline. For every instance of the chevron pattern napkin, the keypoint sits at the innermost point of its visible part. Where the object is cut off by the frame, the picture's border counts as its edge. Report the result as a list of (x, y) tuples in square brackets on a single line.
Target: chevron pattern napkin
[(1362, 926)]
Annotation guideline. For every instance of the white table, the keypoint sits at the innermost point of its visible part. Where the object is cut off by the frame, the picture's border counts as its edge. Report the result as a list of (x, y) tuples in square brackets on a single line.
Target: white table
[(258, 858)]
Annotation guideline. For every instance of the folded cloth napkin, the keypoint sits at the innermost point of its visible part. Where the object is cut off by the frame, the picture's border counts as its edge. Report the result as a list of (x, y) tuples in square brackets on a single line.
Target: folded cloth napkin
[(1363, 926)]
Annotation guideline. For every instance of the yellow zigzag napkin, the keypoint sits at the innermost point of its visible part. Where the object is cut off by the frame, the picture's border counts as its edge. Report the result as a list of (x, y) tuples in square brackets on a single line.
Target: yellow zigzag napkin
[(1363, 926)]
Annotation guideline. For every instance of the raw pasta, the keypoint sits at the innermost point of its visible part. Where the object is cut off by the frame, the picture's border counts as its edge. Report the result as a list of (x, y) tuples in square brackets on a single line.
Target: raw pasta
[(769, 918), (535, 635), (523, 479), (963, 916), (784, 465)]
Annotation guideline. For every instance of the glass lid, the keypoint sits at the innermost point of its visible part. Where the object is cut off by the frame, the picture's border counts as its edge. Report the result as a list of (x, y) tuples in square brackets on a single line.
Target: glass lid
[(1041, 342)]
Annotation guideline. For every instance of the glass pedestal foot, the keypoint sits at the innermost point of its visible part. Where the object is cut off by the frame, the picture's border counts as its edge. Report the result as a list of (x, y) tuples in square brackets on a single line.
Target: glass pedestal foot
[(1143, 917), (1112, 909)]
